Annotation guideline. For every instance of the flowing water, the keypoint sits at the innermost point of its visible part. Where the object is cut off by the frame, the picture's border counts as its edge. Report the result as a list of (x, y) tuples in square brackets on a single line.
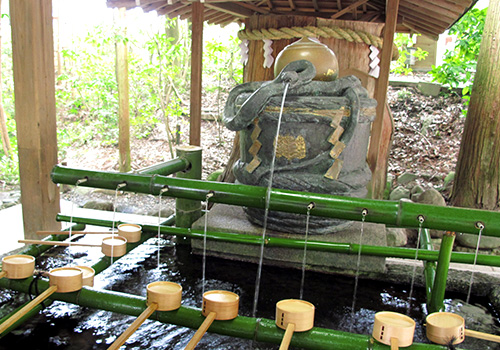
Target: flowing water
[(304, 256), (67, 326), (356, 278), (481, 227), (266, 209), (410, 295)]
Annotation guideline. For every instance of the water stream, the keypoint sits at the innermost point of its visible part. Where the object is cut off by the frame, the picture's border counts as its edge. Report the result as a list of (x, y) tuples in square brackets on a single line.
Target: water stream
[(267, 201), (481, 228), (410, 295), (304, 256), (356, 278)]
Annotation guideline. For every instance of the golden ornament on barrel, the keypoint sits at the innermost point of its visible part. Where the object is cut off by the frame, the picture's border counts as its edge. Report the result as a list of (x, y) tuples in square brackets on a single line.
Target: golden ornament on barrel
[(322, 57)]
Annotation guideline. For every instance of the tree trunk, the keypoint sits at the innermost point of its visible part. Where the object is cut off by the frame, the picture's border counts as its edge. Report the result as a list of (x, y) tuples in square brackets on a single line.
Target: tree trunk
[(477, 179)]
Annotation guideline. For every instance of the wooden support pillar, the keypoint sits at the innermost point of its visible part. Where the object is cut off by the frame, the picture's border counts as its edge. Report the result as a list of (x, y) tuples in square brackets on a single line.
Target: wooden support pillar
[(196, 69), (123, 93), (378, 150), (34, 88)]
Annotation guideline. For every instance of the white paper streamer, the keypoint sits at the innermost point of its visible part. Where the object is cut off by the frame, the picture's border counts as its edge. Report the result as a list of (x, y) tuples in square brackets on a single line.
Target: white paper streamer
[(268, 53), (374, 63), (244, 51)]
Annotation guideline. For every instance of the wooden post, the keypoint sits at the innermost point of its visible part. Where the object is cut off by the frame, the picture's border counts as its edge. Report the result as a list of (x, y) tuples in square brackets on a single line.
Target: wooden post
[(196, 67), (34, 88), (123, 93), (3, 117), (378, 150)]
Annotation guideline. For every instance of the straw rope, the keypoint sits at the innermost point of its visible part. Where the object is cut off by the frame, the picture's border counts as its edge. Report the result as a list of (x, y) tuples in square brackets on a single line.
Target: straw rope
[(310, 31)]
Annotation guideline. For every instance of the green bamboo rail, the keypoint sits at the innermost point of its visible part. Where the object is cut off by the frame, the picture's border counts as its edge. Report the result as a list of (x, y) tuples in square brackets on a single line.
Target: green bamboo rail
[(429, 266), (439, 287), (188, 211), (166, 168), (391, 213), (345, 248), (261, 329)]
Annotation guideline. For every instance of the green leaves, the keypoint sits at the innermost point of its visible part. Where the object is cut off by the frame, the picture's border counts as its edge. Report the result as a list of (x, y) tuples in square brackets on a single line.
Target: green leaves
[(459, 64), (407, 49)]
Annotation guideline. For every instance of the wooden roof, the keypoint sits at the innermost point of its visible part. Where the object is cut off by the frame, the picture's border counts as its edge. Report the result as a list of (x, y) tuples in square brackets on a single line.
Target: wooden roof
[(428, 17)]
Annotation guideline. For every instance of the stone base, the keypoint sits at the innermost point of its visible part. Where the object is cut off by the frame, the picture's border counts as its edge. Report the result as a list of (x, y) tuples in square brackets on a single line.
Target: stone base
[(226, 218)]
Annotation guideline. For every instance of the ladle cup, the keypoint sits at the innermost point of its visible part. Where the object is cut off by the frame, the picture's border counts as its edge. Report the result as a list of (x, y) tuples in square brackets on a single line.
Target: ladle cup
[(218, 305), (445, 327), (113, 246), (88, 274), (394, 329), (161, 296), (132, 232), (61, 280), (293, 315), (17, 266)]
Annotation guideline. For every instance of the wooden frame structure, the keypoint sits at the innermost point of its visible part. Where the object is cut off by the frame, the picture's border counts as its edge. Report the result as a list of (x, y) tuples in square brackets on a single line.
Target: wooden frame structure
[(34, 70)]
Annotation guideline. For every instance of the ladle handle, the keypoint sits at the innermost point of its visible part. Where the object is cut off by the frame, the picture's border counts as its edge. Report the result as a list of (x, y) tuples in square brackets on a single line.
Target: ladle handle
[(481, 335), (14, 318), (45, 233), (3, 274), (394, 344), (64, 244), (201, 331), (133, 327), (287, 338)]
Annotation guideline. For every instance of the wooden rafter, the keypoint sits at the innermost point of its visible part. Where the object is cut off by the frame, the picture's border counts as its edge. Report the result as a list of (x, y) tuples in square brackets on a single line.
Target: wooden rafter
[(292, 4), (255, 8), (232, 8), (348, 9)]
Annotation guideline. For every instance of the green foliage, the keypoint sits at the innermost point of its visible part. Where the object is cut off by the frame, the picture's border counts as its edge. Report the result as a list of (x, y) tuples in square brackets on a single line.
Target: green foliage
[(406, 48), (86, 88), (459, 64)]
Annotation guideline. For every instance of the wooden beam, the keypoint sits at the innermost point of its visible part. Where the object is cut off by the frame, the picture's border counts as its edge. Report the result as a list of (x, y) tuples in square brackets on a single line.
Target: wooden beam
[(254, 8), (232, 8), (196, 70), (378, 150), (34, 88), (348, 9), (292, 4), (166, 10), (123, 94)]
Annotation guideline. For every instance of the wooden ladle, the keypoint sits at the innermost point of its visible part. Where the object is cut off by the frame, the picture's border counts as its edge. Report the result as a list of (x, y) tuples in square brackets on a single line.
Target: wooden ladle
[(218, 305), (132, 232), (17, 266), (443, 327), (61, 280), (293, 315), (112, 246), (394, 329), (161, 296)]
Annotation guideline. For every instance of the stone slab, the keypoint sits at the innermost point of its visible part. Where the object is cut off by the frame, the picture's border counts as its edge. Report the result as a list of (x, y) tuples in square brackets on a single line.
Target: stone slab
[(226, 218)]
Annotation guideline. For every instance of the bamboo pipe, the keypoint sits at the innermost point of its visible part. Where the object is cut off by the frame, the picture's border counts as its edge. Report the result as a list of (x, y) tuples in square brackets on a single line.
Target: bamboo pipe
[(262, 329), (134, 326), (391, 213), (344, 248), (443, 266)]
